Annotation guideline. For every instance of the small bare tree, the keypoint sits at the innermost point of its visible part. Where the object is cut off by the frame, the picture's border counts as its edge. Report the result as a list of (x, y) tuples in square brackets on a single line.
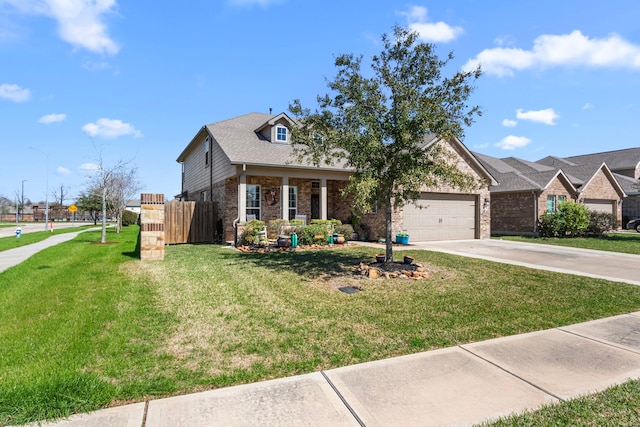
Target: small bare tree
[(113, 184)]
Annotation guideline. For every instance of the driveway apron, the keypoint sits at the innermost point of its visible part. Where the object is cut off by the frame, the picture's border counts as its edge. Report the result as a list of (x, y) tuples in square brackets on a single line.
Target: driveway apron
[(612, 266)]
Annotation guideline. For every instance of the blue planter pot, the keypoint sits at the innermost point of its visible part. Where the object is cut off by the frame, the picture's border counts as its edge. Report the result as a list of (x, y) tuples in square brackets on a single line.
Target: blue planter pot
[(402, 240)]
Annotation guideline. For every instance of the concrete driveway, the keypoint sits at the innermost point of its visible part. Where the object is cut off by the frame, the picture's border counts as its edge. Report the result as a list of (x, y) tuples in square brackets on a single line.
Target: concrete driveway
[(613, 266)]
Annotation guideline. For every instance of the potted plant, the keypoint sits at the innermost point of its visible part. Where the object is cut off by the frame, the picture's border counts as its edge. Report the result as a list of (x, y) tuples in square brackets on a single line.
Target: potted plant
[(408, 259), (380, 258)]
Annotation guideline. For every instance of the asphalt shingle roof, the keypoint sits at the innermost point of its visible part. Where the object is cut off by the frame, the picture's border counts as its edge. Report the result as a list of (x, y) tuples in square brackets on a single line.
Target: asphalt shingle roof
[(242, 144), (619, 159)]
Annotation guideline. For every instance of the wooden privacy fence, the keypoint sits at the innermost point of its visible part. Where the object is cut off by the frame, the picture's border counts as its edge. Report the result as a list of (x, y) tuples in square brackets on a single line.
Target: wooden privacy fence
[(190, 222)]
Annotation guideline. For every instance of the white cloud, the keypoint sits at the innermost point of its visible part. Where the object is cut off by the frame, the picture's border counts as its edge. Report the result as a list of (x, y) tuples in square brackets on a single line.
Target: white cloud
[(509, 123), (80, 22), (89, 167), (546, 116), (430, 31), (565, 50), (63, 171), (588, 106), (512, 142), (108, 128), (52, 118), (14, 93)]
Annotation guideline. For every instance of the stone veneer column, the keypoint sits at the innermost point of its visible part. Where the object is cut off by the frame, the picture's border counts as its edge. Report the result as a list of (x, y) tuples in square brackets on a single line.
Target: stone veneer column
[(151, 226)]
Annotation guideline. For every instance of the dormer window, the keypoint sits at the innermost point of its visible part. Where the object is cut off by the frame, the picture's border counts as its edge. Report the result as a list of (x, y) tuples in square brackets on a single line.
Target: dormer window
[(281, 134)]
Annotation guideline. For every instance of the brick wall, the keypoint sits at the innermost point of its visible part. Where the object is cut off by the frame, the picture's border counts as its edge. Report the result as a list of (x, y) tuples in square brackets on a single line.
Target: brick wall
[(630, 209), (513, 213), (152, 226), (600, 187)]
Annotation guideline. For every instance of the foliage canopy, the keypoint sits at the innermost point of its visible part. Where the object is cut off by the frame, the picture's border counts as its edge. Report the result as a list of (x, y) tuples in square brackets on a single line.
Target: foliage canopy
[(385, 127)]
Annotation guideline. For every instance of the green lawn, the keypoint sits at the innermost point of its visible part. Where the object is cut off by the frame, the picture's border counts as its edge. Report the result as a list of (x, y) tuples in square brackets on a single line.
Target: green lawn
[(615, 242), (84, 325), (13, 242), (618, 406)]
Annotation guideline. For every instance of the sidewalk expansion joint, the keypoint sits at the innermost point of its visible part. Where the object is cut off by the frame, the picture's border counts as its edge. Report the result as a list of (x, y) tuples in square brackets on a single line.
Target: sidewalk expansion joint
[(619, 347), (144, 414), (342, 398), (513, 374)]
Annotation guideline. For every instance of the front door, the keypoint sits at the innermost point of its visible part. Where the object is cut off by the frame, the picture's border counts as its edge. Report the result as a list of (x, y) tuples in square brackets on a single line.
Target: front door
[(315, 206)]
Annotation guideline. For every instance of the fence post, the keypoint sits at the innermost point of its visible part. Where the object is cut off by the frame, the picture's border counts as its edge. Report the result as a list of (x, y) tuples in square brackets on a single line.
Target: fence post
[(151, 226)]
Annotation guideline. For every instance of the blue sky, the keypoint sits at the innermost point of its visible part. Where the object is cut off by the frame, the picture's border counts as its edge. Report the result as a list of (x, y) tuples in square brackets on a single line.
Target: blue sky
[(128, 80)]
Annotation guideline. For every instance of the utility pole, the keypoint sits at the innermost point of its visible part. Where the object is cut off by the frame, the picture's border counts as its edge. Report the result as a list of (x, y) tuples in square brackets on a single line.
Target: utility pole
[(22, 199)]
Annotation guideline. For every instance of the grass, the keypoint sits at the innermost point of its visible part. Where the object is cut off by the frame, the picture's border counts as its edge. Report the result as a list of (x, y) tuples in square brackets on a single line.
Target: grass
[(13, 242), (84, 325), (617, 406), (615, 242)]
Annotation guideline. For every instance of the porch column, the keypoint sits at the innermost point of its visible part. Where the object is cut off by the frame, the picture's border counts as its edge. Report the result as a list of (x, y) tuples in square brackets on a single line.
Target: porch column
[(242, 197), (323, 198), (284, 198)]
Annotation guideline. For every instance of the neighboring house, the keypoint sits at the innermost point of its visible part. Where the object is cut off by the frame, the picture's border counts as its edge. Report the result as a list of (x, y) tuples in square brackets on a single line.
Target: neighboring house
[(625, 165), (529, 189), (133, 205), (246, 165)]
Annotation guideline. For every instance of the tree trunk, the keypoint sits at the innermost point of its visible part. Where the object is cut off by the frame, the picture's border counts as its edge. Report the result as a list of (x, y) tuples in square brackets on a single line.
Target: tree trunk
[(388, 226), (103, 237)]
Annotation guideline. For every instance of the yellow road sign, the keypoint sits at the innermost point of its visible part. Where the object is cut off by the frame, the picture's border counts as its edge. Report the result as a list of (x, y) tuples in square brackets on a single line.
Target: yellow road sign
[(73, 208)]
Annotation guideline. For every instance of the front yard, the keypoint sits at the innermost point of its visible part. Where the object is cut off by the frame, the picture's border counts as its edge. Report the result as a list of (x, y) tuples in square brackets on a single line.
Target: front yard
[(84, 326)]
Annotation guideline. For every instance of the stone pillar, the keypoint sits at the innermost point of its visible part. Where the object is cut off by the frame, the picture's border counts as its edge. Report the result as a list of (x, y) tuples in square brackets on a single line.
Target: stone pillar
[(151, 226)]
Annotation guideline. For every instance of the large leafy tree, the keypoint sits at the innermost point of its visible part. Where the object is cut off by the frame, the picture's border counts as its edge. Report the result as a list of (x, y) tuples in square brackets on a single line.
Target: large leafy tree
[(91, 203), (377, 124)]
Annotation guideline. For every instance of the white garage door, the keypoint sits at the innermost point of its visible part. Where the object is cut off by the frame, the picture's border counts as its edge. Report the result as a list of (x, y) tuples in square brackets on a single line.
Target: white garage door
[(605, 206), (442, 217)]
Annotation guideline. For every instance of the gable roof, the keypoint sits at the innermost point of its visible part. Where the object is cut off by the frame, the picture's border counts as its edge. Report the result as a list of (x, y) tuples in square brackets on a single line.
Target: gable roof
[(628, 158), (241, 141), (431, 139), (515, 175)]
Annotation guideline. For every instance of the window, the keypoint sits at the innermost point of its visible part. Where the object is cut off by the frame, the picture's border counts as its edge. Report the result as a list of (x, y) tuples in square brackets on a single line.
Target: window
[(253, 200), (206, 151), (551, 203), (315, 184), (293, 202), (562, 199), (203, 196), (281, 134)]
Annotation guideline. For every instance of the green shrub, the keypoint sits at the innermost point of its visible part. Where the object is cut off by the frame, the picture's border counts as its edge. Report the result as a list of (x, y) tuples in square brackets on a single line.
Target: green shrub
[(274, 228), (345, 229), (129, 218), (250, 233), (600, 223), (570, 220), (309, 233)]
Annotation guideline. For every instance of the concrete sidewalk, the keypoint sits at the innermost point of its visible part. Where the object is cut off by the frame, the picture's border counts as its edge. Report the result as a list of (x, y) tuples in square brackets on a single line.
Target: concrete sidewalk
[(461, 385), (15, 256)]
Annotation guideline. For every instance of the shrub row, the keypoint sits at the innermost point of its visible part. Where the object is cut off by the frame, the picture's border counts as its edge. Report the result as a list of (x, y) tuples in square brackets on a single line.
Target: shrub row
[(317, 232)]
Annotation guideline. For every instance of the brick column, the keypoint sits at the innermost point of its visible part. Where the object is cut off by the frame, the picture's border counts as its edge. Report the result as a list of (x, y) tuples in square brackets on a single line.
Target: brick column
[(151, 226)]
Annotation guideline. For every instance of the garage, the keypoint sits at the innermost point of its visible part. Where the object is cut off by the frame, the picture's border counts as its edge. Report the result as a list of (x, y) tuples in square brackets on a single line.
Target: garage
[(441, 217), (596, 205)]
